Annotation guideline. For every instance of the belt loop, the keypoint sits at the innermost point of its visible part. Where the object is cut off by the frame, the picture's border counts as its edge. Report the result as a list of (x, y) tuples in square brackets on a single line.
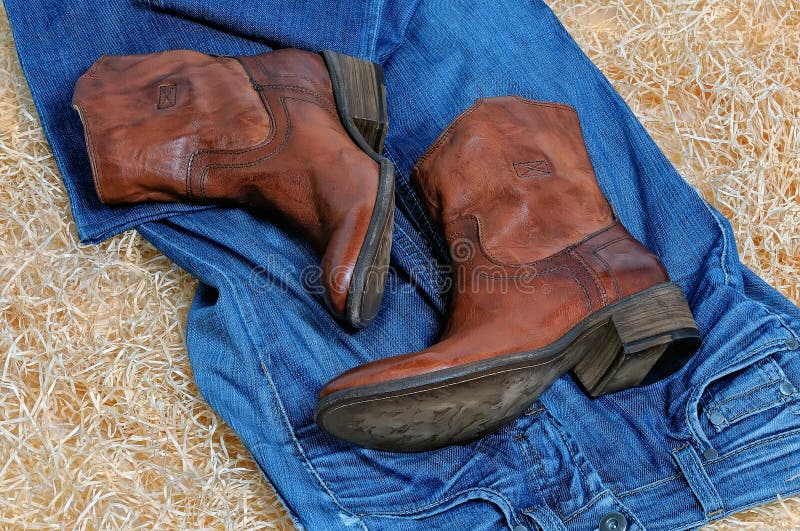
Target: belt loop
[(695, 474)]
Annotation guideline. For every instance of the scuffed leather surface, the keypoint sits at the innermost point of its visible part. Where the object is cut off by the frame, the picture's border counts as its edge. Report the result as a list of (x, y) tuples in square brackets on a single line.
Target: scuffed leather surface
[(534, 244), (185, 126)]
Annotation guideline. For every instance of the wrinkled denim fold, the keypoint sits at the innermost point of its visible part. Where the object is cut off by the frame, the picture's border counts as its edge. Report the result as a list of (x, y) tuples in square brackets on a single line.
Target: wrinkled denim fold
[(716, 437)]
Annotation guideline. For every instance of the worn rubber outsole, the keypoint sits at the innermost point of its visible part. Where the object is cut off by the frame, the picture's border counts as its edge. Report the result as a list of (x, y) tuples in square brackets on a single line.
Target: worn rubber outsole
[(615, 348)]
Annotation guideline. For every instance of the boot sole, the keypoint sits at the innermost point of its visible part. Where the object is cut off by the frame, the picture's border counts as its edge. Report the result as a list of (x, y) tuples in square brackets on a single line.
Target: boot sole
[(638, 340), (359, 89)]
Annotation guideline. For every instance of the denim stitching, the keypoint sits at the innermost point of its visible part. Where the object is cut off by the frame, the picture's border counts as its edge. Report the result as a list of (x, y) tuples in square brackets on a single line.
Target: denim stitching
[(725, 243), (759, 443), (591, 503), (747, 393), (578, 463), (416, 255), (290, 430), (442, 501), (371, 43), (702, 385), (649, 486), (759, 409)]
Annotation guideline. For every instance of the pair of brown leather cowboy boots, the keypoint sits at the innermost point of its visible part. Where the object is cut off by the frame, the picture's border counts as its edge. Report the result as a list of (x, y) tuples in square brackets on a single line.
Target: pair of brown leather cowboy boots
[(546, 279)]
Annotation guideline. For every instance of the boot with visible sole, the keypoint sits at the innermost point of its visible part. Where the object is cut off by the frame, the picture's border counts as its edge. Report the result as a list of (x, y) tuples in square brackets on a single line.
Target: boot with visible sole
[(289, 132), (545, 280)]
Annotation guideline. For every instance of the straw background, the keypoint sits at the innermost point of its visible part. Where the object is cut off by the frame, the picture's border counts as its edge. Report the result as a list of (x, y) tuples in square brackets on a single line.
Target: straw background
[(101, 426)]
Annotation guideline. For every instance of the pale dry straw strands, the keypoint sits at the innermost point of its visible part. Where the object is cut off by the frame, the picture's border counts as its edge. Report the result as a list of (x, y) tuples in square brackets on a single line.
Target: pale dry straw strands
[(101, 426)]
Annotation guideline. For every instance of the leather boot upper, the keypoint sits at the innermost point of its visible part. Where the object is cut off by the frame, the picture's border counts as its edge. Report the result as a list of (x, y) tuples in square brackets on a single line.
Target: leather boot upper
[(535, 245), (259, 131)]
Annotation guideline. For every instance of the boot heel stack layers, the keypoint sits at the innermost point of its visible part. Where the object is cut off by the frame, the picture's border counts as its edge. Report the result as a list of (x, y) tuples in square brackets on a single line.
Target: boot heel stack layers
[(290, 133), (546, 280)]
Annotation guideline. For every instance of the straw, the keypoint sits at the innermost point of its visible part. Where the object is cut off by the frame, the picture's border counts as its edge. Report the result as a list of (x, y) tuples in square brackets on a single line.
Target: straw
[(101, 425)]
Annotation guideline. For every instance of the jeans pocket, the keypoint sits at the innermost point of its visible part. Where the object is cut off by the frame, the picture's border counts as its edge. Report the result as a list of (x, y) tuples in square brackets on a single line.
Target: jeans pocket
[(747, 392), (752, 402)]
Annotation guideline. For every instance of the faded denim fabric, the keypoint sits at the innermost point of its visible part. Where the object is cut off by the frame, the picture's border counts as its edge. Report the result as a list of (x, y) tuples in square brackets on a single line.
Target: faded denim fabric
[(719, 436)]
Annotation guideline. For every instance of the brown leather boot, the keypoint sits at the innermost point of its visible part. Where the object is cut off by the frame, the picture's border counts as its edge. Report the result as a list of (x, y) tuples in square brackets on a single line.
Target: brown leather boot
[(546, 280), (288, 132)]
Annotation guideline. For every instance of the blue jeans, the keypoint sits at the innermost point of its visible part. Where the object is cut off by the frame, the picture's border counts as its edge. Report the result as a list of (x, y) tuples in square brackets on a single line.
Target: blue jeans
[(716, 437)]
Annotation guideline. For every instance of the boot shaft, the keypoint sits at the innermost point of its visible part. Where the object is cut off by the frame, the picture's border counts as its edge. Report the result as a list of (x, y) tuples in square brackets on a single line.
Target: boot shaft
[(279, 133), (521, 168)]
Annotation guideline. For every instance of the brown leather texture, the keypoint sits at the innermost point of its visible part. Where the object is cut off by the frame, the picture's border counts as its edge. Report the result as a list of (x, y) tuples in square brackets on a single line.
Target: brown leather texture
[(260, 131), (535, 246)]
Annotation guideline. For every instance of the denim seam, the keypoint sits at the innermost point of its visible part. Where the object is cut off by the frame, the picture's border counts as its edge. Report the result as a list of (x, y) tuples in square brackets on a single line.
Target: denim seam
[(443, 501), (533, 460), (719, 404), (579, 464), (754, 444), (760, 501), (745, 448), (385, 57), (299, 446), (759, 409), (417, 256), (591, 503), (725, 243), (649, 486), (372, 44)]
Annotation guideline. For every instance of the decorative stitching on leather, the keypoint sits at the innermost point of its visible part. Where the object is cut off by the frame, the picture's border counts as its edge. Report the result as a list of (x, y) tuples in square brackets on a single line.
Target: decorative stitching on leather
[(167, 95), (322, 103), (596, 253), (531, 275), (592, 274), (282, 100), (532, 168), (329, 104), (267, 140), (320, 85), (553, 256), (553, 104)]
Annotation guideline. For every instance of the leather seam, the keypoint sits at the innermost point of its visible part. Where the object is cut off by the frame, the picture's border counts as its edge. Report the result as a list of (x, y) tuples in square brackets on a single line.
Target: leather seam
[(270, 155), (268, 75), (552, 104), (596, 253), (322, 103), (446, 133), (533, 263), (214, 151), (592, 274), (536, 273)]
